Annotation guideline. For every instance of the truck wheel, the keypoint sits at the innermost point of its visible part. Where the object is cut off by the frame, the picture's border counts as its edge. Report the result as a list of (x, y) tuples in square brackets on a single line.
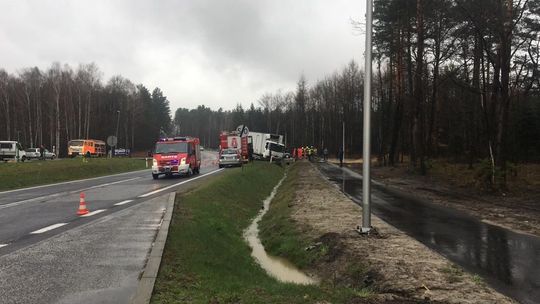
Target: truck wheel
[(155, 176), (23, 158)]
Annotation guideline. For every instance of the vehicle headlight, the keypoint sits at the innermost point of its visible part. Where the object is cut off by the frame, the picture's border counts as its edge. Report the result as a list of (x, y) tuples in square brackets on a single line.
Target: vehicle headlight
[(154, 162), (183, 161)]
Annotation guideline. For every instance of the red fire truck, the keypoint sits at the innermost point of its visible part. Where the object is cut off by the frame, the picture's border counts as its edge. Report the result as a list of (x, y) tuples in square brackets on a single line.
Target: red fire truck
[(232, 140), (178, 155)]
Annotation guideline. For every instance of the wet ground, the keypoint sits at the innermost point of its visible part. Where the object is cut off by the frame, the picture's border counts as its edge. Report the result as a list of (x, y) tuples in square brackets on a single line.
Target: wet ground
[(278, 267), (508, 261)]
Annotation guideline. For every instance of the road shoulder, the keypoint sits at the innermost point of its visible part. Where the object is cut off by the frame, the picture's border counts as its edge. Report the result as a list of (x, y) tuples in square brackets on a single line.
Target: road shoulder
[(398, 267), (148, 276)]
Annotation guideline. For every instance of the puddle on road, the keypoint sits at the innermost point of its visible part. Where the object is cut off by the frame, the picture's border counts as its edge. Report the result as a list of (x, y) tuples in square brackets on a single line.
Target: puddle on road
[(277, 267)]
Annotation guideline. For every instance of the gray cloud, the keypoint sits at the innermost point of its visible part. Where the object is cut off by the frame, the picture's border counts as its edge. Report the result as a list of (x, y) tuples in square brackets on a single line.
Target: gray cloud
[(216, 53)]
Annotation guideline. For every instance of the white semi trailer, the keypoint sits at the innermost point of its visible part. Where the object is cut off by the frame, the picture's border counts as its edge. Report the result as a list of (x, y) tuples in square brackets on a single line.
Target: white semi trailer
[(266, 145)]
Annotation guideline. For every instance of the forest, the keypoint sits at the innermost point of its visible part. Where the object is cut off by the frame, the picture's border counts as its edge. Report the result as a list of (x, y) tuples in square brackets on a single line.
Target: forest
[(59, 104), (454, 79)]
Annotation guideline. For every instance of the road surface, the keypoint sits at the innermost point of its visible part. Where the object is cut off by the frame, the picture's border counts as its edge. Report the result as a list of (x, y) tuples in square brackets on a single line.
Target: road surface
[(48, 254), (508, 261)]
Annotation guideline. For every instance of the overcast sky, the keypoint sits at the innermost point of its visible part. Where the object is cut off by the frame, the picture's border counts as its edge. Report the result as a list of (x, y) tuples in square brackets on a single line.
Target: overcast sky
[(217, 53)]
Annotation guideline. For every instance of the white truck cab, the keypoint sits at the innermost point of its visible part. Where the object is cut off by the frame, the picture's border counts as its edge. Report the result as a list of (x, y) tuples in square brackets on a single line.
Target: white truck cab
[(266, 145), (12, 150)]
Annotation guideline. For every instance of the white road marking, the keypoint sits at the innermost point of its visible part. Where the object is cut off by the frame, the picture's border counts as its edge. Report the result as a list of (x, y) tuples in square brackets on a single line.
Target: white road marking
[(123, 202), (64, 193), (48, 228), (93, 212), (3, 245), (70, 182), (180, 183)]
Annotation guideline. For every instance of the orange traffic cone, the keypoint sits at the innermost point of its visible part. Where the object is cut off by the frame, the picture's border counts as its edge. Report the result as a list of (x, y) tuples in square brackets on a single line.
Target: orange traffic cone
[(82, 205)]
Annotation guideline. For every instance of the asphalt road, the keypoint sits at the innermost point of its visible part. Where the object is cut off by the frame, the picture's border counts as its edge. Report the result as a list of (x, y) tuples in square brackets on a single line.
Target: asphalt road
[(507, 260), (49, 254)]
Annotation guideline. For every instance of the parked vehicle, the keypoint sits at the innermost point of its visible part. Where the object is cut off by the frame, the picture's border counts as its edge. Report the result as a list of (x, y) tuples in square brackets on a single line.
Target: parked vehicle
[(32, 153), (230, 158), (266, 145), (287, 158), (35, 153), (233, 140), (93, 147), (178, 155), (12, 150)]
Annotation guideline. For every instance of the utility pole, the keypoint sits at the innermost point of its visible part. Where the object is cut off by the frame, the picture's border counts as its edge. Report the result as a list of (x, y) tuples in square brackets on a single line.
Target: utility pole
[(343, 141), (366, 155), (116, 134)]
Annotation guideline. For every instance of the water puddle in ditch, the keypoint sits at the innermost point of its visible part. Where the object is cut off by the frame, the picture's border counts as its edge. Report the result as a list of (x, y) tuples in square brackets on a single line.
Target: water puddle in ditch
[(277, 267)]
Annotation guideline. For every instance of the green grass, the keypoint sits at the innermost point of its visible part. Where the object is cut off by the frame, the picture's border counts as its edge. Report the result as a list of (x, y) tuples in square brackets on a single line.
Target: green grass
[(206, 259), (452, 273), (478, 280), (281, 236), (33, 173)]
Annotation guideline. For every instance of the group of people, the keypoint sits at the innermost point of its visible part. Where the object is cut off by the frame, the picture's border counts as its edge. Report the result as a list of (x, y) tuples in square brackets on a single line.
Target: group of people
[(308, 152)]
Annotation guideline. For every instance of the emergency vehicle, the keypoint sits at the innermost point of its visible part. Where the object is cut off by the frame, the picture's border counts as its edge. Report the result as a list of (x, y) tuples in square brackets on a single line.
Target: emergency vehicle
[(178, 155), (93, 147), (233, 140)]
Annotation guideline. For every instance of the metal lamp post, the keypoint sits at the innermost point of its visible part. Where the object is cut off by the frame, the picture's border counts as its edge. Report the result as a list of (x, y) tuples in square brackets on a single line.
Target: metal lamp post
[(116, 134), (366, 155)]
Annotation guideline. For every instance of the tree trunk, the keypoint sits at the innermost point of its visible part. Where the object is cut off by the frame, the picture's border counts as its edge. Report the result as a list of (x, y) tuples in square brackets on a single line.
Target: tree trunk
[(418, 119), (398, 114)]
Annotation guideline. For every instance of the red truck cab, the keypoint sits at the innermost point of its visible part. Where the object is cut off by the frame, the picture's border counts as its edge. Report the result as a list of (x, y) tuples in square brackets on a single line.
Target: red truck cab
[(178, 155)]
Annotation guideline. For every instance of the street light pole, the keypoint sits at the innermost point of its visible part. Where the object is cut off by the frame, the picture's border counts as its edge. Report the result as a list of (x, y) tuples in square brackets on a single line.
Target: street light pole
[(366, 157), (343, 141), (117, 123)]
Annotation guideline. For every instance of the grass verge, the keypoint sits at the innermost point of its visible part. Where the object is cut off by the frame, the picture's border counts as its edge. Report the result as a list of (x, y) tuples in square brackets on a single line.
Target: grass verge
[(33, 173), (206, 259), (278, 232), (281, 236)]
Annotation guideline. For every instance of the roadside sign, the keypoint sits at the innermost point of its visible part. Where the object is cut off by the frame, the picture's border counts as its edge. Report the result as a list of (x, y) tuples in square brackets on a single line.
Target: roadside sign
[(242, 130), (112, 141)]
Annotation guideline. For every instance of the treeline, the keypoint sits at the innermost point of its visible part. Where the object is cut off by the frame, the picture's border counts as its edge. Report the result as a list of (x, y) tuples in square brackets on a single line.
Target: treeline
[(54, 106), (456, 79), (311, 115)]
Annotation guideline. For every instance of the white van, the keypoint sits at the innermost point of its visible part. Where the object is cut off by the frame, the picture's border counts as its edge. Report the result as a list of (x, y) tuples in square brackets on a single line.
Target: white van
[(11, 150)]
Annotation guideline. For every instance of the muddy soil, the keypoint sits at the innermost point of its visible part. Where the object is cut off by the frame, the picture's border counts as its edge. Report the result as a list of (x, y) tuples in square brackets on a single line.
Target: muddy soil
[(398, 268), (517, 209)]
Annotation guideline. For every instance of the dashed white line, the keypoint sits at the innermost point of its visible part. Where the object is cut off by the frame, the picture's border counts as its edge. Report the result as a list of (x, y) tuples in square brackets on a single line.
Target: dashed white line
[(123, 202), (180, 183), (48, 228), (3, 245), (93, 212), (71, 182), (64, 193)]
